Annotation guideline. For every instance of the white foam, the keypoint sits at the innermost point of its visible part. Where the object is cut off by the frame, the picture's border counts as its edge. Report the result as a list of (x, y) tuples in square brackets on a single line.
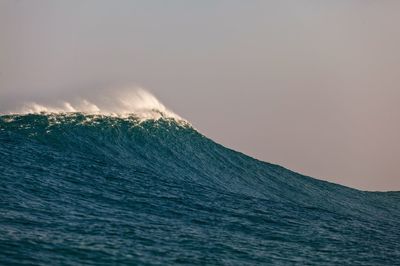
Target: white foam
[(137, 102)]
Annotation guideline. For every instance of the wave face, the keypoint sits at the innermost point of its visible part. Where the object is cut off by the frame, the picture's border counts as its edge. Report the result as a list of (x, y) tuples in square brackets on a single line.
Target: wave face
[(79, 189)]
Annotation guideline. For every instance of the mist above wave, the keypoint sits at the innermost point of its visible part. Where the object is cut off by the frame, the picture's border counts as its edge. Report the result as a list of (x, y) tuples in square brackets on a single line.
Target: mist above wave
[(138, 102)]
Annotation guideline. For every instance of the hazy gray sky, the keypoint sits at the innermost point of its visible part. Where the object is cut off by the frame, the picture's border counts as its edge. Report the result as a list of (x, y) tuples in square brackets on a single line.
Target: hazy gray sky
[(310, 85)]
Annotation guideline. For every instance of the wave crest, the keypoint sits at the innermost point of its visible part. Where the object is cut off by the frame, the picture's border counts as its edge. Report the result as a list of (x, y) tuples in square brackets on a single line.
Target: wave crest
[(139, 102)]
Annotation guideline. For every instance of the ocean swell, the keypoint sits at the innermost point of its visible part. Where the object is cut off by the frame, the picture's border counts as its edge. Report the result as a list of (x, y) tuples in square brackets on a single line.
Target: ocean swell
[(97, 187)]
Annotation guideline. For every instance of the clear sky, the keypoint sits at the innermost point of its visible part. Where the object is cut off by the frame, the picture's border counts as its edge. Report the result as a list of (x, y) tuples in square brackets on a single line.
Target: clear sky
[(310, 85)]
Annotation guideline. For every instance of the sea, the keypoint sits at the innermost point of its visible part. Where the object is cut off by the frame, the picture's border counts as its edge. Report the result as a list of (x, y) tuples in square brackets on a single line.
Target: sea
[(93, 189)]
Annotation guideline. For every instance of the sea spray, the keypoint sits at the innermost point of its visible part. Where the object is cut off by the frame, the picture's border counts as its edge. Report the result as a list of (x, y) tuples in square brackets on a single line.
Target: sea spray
[(121, 102)]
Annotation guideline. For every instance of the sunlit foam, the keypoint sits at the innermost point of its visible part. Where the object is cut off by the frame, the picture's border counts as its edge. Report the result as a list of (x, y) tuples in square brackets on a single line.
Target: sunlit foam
[(123, 103)]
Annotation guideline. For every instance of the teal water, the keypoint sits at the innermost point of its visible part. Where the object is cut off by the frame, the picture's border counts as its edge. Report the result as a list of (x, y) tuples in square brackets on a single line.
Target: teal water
[(95, 190)]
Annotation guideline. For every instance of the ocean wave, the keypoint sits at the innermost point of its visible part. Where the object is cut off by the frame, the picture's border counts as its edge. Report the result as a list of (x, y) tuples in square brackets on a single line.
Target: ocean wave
[(91, 188)]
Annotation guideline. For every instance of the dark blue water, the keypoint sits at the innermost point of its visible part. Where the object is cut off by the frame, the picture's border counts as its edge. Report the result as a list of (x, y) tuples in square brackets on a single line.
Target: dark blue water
[(91, 190)]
